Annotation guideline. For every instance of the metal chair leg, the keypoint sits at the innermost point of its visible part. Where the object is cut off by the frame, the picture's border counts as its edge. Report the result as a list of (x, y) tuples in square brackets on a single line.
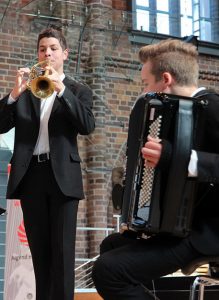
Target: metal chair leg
[(201, 291), (196, 283), (202, 282)]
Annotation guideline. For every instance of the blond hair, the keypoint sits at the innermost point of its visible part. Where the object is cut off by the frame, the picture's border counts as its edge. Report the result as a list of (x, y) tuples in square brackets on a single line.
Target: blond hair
[(178, 58)]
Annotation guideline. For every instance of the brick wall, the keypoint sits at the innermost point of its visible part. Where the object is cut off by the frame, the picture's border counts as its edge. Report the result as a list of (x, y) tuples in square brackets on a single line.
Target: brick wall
[(102, 57)]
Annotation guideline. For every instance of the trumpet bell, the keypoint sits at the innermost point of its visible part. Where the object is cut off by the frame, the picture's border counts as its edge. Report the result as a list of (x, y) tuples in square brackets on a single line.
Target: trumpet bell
[(42, 87)]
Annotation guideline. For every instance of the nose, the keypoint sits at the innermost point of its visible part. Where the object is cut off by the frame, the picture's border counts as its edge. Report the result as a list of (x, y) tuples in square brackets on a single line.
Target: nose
[(47, 52)]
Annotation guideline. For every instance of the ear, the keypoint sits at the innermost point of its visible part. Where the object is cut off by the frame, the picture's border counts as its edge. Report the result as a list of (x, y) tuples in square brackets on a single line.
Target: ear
[(65, 54), (167, 79)]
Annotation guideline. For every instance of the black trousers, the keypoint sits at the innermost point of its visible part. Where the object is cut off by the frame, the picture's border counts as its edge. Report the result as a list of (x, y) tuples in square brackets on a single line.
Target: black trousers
[(50, 224), (126, 264)]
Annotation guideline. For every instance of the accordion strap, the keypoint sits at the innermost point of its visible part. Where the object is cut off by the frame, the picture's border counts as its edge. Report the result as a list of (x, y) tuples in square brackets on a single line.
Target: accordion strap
[(179, 165)]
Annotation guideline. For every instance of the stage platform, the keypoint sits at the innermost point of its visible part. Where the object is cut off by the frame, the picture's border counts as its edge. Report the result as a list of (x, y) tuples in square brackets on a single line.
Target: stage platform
[(87, 295)]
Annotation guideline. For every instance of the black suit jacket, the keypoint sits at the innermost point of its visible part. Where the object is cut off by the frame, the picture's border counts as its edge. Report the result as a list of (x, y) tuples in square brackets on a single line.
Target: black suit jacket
[(205, 228), (205, 233), (71, 115)]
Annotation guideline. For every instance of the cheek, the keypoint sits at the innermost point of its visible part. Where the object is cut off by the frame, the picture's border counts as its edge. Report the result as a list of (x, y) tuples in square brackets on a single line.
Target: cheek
[(150, 88), (41, 55), (157, 87)]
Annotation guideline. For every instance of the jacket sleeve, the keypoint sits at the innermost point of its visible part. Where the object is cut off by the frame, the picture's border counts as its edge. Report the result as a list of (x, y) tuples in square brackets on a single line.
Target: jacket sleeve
[(208, 153), (6, 115), (77, 99), (208, 167), (166, 155)]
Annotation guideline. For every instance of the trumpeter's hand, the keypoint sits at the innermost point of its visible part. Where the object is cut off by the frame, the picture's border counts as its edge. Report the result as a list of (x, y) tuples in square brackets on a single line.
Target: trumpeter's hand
[(20, 82)]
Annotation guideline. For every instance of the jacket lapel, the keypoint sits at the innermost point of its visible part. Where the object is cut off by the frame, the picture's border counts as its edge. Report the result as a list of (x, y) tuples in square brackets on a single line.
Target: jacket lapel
[(68, 83), (36, 101), (55, 105), (36, 105)]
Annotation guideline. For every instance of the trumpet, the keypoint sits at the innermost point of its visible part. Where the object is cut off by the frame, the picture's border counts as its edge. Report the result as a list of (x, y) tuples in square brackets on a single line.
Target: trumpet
[(38, 82)]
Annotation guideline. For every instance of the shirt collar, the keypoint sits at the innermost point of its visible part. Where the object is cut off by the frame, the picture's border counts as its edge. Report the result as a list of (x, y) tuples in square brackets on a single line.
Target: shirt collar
[(62, 77), (197, 91)]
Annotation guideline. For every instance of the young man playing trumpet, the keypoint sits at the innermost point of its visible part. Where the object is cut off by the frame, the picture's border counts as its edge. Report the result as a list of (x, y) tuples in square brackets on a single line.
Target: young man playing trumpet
[(45, 166)]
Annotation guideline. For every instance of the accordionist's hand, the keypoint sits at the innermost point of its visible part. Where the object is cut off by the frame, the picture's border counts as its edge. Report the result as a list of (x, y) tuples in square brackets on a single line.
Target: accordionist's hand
[(151, 151)]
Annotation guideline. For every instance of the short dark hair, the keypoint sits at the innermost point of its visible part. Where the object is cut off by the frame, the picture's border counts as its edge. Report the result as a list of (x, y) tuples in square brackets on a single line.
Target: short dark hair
[(51, 32), (177, 57)]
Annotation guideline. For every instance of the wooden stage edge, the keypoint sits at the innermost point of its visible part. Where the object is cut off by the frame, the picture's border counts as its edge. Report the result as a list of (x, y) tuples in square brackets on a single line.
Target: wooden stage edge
[(87, 296)]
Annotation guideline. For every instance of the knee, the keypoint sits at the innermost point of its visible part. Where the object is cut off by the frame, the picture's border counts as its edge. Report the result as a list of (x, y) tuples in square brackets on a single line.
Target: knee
[(97, 269), (110, 242), (100, 273), (105, 267), (104, 276)]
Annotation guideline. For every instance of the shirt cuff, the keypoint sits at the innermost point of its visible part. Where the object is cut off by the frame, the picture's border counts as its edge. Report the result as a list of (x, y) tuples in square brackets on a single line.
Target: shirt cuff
[(60, 94), (11, 100), (192, 168)]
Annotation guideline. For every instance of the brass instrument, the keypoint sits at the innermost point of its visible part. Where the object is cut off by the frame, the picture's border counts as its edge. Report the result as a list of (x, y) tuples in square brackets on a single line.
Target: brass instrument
[(39, 84)]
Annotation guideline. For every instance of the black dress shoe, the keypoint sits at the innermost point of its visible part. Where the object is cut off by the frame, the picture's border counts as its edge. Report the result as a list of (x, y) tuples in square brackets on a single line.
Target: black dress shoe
[(2, 211)]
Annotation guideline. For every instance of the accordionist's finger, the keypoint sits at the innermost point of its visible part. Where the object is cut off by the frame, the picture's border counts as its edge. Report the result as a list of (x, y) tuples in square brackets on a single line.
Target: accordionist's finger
[(153, 139), (151, 153), (152, 146), (151, 164)]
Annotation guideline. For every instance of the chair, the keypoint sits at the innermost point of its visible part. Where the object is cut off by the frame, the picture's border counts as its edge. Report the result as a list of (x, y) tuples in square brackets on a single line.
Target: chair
[(201, 281)]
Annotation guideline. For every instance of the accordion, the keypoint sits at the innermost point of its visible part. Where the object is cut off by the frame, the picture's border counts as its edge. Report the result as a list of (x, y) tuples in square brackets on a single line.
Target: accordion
[(154, 200)]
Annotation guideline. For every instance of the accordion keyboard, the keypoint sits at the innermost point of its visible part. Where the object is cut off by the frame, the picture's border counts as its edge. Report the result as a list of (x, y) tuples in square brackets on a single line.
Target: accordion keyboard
[(148, 172)]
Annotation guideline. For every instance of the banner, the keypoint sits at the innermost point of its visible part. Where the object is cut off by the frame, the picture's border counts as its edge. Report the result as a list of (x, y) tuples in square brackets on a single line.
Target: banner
[(19, 275)]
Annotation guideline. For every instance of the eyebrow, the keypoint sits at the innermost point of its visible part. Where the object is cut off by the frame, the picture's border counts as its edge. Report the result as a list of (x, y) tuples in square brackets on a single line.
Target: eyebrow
[(43, 46)]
